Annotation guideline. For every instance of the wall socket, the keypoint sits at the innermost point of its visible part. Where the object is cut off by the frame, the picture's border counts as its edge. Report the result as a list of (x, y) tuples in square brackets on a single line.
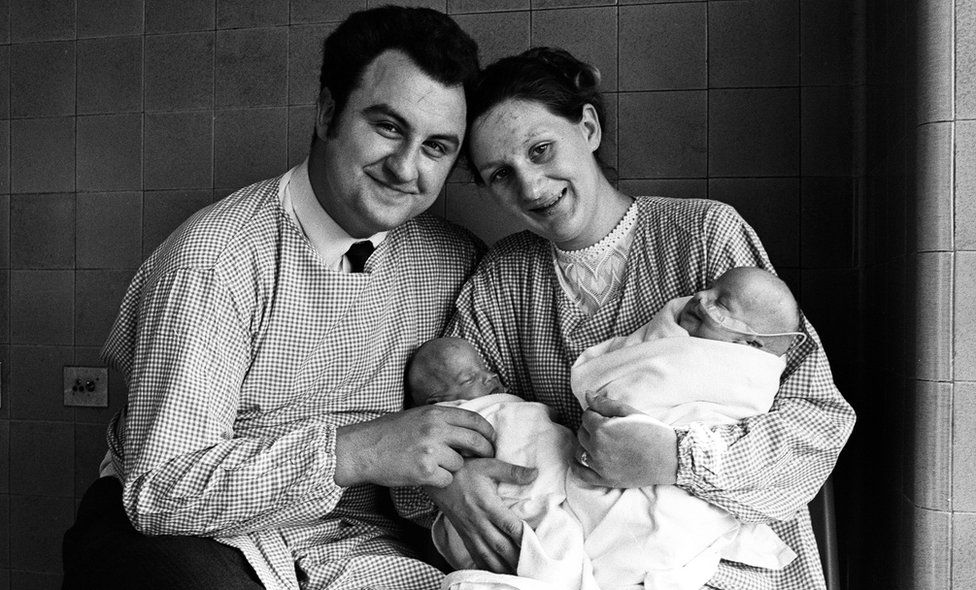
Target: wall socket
[(86, 387)]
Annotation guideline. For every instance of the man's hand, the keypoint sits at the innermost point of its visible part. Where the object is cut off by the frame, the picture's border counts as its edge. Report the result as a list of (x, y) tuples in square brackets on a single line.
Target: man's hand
[(420, 446), (491, 533), (624, 453)]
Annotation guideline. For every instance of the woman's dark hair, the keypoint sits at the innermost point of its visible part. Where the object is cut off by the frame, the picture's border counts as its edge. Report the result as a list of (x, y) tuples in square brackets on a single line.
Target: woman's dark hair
[(435, 43), (545, 75)]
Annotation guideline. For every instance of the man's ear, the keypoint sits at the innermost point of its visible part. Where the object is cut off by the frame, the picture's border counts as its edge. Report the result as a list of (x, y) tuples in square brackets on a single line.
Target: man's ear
[(325, 113), (590, 124)]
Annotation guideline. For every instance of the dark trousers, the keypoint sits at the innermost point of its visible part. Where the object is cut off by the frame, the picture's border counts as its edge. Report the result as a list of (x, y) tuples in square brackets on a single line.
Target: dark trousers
[(103, 551)]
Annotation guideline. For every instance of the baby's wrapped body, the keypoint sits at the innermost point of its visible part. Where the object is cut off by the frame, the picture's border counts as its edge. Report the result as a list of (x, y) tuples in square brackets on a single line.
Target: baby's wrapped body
[(578, 536)]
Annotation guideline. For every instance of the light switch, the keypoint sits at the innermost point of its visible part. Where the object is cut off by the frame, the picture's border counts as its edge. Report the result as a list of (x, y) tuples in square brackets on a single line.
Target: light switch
[(86, 387)]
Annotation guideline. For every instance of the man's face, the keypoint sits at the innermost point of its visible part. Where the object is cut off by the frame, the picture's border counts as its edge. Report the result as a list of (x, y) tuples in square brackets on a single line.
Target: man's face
[(386, 156)]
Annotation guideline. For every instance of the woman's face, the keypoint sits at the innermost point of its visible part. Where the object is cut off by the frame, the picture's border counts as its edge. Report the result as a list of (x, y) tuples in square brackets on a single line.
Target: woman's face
[(541, 168)]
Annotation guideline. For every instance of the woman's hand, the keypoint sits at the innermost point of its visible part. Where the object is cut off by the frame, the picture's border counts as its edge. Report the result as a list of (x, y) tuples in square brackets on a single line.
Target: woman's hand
[(491, 532), (624, 453)]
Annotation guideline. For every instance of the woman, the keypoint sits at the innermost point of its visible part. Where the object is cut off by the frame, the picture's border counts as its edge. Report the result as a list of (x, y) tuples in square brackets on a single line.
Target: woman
[(597, 263)]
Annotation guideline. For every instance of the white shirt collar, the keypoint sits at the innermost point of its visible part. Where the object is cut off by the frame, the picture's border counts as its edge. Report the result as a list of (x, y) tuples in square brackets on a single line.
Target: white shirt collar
[(326, 237)]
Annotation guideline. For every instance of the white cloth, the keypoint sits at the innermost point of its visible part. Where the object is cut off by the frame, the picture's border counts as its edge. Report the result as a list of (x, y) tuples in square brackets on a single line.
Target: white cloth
[(582, 537)]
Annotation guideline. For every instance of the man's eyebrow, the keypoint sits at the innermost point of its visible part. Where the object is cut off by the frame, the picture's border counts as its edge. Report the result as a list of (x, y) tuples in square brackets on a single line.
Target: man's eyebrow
[(387, 110)]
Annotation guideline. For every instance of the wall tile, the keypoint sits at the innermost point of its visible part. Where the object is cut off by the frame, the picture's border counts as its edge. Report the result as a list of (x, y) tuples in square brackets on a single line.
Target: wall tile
[(934, 199), (305, 61), (36, 382), (963, 451), (5, 21), (103, 18), (178, 150), (98, 294), (41, 307), (4, 308), (42, 232), (89, 356), (89, 449), (965, 58), (753, 43), (826, 42), (110, 75), (42, 79), (4, 234), (4, 159), (109, 230), (964, 353), (753, 132), (928, 473), (826, 131), (41, 20), (42, 155), (663, 134), (317, 11), (20, 580), (609, 145), (4, 81), (4, 478), (301, 122), (4, 535), (826, 300), (930, 549), (174, 16), (109, 152), (462, 6), (235, 14), (826, 222), (771, 206), (934, 60), (179, 72), (38, 523), (498, 34), (933, 289), (663, 47), (963, 550), (590, 34), (477, 211), (251, 68), (41, 458), (965, 189), (249, 145), (164, 211), (438, 5), (536, 4)]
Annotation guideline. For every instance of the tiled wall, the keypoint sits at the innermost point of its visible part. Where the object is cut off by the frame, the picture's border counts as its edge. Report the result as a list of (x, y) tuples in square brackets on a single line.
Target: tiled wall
[(118, 118)]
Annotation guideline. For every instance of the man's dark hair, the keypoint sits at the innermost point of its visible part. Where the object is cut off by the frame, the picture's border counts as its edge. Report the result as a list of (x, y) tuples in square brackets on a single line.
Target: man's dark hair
[(435, 43)]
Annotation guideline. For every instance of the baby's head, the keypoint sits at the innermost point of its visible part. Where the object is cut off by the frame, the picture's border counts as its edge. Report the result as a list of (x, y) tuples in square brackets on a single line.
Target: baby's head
[(745, 305), (449, 369)]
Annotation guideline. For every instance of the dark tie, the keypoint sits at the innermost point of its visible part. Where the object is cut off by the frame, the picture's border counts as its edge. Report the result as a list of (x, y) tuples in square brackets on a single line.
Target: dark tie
[(358, 253)]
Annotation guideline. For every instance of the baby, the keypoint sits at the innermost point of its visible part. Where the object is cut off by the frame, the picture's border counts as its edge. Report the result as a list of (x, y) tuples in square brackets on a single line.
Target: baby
[(580, 536)]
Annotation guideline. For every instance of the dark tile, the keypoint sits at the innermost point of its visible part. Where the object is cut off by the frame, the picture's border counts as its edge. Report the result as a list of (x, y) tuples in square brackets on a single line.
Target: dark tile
[(98, 295), (103, 18), (4, 540), (4, 233), (305, 61), (590, 34), (164, 211), (301, 121), (827, 222), (317, 11), (826, 131), (37, 382), (249, 145), (42, 79), (771, 206), (5, 381), (20, 580), (4, 159), (178, 150), (176, 16), (41, 20), (753, 43), (4, 308), (42, 458), (753, 132), (569, 3), (663, 47), (663, 134), (89, 356), (251, 68), (90, 448), (109, 230), (465, 205), (438, 5), (179, 72), (4, 478), (110, 75), (42, 307), (38, 523), (498, 34), (462, 6), (608, 150), (110, 152), (236, 14), (4, 81), (826, 42), (5, 21), (42, 155), (42, 231), (826, 296), (680, 188)]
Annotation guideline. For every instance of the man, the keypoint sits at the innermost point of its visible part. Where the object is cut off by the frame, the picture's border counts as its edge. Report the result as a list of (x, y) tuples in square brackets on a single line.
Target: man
[(266, 376)]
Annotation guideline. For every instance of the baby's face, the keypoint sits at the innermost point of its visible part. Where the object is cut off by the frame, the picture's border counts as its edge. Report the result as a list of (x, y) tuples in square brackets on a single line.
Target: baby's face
[(464, 377), (719, 313)]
